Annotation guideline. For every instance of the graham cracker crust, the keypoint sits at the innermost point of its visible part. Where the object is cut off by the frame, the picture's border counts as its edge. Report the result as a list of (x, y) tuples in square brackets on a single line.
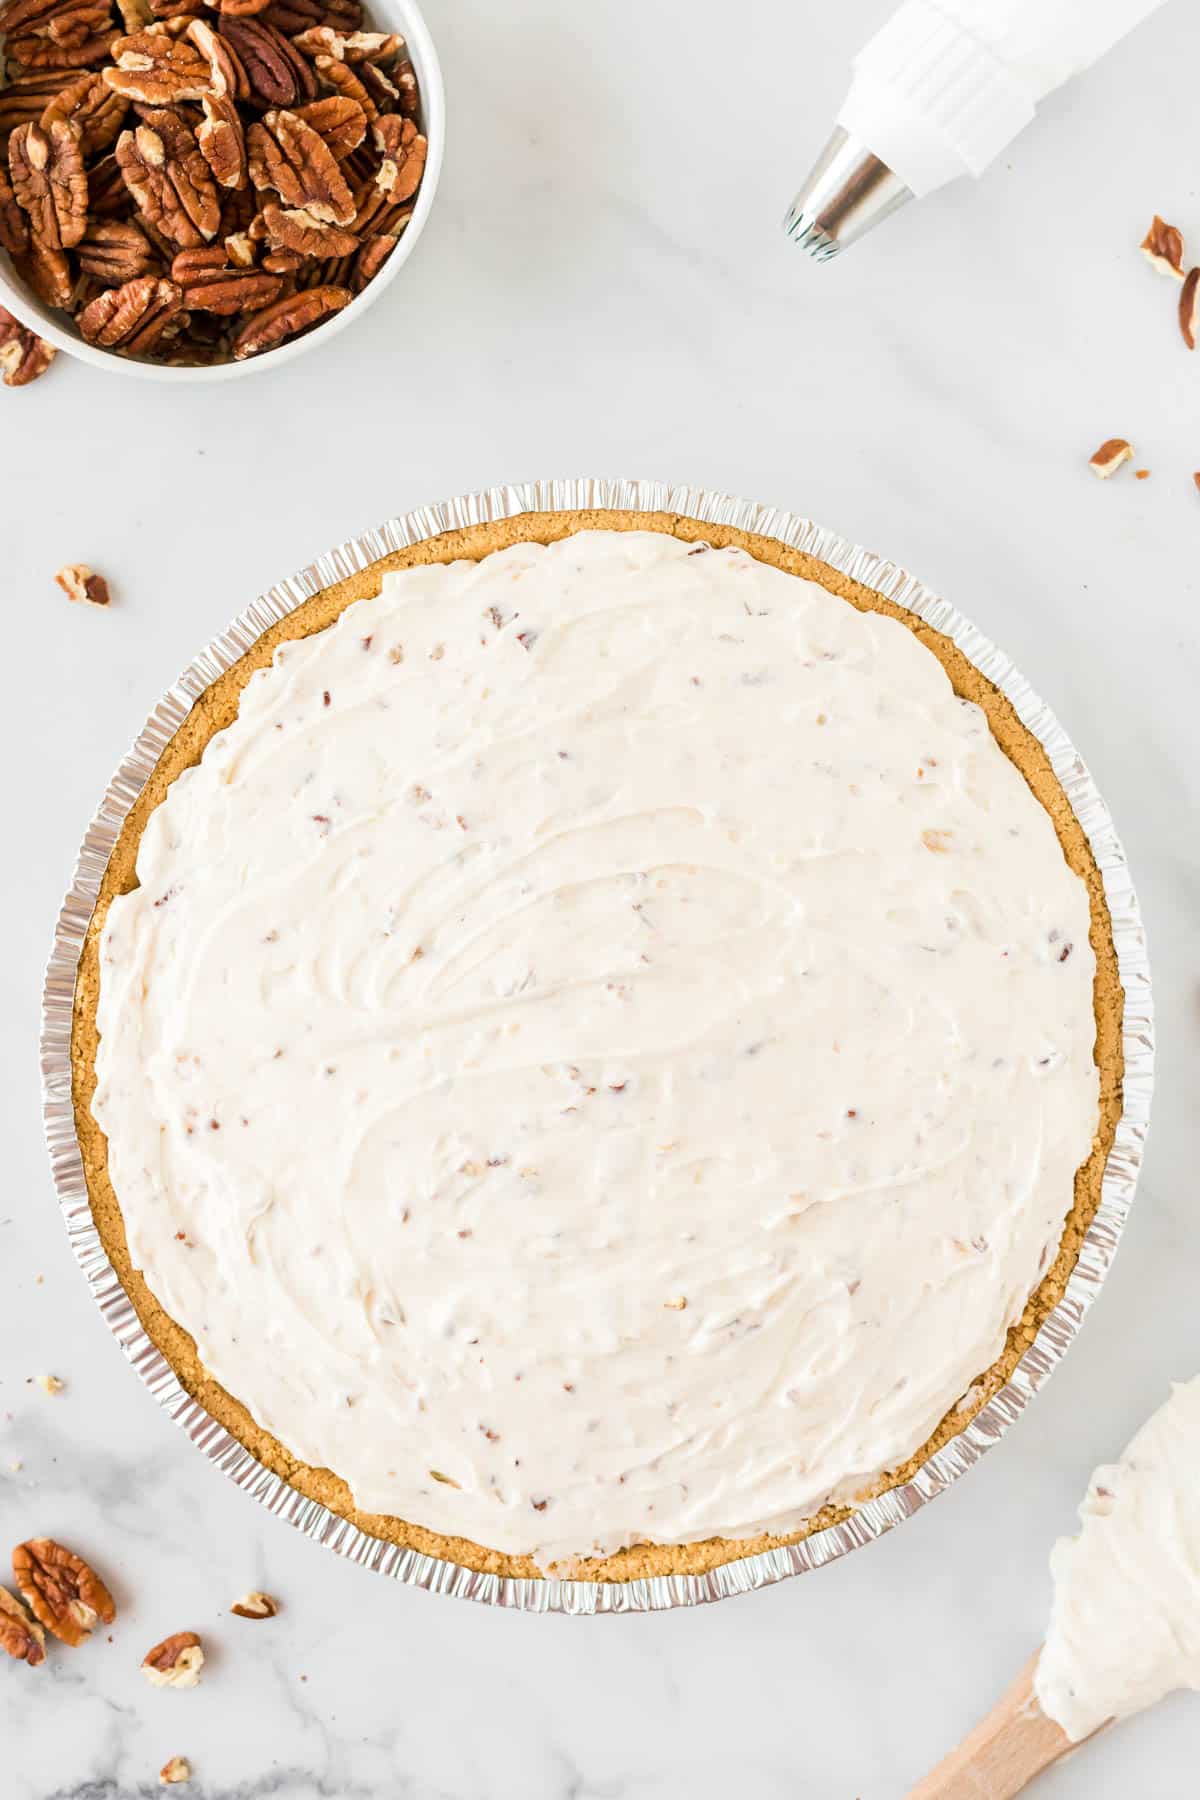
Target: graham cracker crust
[(217, 707)]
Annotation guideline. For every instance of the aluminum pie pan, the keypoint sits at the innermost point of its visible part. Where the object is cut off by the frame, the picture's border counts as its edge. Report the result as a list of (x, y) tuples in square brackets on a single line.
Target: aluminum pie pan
[(870, 1518)]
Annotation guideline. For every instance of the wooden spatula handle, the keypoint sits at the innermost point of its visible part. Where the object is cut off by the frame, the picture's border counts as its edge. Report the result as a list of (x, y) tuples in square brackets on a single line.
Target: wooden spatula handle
[(1004, 1752)]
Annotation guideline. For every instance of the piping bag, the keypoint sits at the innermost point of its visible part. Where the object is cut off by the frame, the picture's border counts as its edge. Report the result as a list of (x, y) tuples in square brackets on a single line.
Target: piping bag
[(939, 92)]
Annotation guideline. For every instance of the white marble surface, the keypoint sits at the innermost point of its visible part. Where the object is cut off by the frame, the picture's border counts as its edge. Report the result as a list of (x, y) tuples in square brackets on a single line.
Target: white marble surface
[(604, 289)]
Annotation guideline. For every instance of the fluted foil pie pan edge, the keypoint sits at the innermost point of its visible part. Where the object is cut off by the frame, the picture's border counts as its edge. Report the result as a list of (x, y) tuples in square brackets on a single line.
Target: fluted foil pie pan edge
[(870, 1518)]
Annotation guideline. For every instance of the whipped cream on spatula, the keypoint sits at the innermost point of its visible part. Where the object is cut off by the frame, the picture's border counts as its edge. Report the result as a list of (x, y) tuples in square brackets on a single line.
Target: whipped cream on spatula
[(1125, 1624)]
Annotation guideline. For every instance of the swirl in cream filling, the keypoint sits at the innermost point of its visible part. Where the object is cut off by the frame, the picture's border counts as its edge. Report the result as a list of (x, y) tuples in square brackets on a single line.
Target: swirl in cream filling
[(601, 1046)]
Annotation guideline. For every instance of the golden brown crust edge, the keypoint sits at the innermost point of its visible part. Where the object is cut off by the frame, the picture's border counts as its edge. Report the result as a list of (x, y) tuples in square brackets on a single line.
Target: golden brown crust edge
[(215, 709)]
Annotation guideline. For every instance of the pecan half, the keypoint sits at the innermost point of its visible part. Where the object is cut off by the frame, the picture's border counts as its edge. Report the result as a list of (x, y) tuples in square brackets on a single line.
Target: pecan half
[(49, 180), (340, 123), (210, 284), (403, 150), (226, 74), (60, 21), (339, 78), (371, 258), (20, 1635), (278, 74), (222, 142), (25, 99), (91, 104), (176, 1662), (115, 250), (382, 89), (48, 273), (295, 228), (169, 179), (108, 197), (1162, 247), (1189, 307), (255, 1605), (14, 228), (287, 318), (350, 46), (175, 1770), (158, 69), (60, 1590), (23, 357), (133, 317), (82, 584), (286, 154), (1110, 456), (37, 53), (293, 16), (409, 95)]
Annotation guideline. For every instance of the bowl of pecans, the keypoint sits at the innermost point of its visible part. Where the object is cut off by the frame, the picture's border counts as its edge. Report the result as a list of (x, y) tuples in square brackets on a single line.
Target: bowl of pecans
[(193, 189)]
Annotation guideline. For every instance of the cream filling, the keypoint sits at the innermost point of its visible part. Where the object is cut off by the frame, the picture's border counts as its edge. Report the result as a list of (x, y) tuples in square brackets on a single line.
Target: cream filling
[(601, 1047), (1125, 1626)]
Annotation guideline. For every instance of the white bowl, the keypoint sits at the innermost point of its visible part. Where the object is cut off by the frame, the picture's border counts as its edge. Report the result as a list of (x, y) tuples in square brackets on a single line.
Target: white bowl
[(403, 16)]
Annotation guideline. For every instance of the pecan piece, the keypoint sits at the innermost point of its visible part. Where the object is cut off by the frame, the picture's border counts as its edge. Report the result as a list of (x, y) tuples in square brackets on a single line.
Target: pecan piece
[(408, 94), (1110, 456), (1162, 247), (82, 584), (222, 142), (341, 124), (115, 250), (241, 252), (1189, 307), (287, 318), (288, 155), (176, 1662), (278, 75), (133, 317), (339, 78), (158, 69), (91, 104), (226, 74), (382, 89), (14, 229), (49, 180), (295, 228), (403, 150), (135, 15), (108, 197), (210, 284), (20, 1635), (238, 9), (175, 1770), (60, 1590), (169, 179), (23, 357), (255, 1605), (48, 273)]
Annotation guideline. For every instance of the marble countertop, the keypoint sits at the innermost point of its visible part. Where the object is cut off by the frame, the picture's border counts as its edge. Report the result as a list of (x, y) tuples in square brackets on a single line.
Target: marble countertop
[(604, 288)]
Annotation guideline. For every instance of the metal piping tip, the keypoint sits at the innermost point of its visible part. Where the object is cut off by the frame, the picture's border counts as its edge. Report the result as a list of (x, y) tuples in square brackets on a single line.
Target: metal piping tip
[(848, 193)]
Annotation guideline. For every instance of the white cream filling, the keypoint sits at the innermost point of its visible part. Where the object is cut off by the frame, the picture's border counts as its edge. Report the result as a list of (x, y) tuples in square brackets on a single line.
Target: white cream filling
[(1125, 1627), (601, 1046)]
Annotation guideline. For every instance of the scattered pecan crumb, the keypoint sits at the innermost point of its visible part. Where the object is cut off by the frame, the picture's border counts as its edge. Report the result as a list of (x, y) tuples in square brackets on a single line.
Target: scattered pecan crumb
[(62, 1592), (676, 1305), (1196, 478), (1162, 247), (1109, 457), (937, 841), (20, 1634), (175, 1770), (1189, 307), (50, 1384), (1141, 474), (176, 1662), (82, 584)]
